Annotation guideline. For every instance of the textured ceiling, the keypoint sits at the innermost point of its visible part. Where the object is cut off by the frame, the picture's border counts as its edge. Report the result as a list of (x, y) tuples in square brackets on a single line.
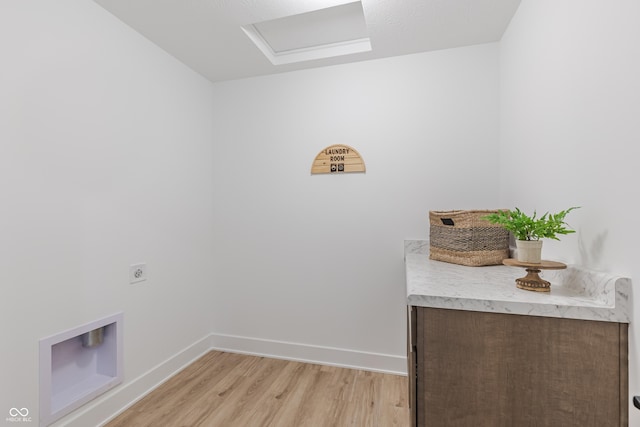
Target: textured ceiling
[(207, 36)]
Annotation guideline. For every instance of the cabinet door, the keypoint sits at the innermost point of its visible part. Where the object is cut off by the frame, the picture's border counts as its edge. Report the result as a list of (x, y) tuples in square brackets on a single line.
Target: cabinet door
[(488, 369), (411, 361)]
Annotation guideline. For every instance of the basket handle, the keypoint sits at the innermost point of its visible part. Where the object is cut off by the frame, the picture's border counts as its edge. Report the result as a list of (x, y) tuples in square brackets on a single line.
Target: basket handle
[(447, 221)]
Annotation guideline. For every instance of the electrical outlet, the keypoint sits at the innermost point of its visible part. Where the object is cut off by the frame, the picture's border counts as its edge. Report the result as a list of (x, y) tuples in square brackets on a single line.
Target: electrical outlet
[(137, 273)]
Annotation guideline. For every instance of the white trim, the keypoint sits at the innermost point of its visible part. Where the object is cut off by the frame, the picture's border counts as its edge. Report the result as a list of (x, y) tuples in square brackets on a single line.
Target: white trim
[(104, 409), (307, 353), (347, 47)]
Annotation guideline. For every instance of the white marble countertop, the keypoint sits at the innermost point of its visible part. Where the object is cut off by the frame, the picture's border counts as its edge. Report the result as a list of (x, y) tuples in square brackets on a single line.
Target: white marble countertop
[(576, 293)]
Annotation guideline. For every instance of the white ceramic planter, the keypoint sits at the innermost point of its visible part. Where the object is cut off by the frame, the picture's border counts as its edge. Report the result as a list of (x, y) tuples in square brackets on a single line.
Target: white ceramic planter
[(529, 251)]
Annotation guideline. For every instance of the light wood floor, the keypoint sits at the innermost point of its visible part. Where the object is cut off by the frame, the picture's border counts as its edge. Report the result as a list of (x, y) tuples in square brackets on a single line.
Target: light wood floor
[(226, 390)]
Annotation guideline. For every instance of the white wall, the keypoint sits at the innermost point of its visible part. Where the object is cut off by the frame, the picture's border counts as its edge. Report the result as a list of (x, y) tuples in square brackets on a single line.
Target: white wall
[(569, 109), (105, 161), (318, 260)]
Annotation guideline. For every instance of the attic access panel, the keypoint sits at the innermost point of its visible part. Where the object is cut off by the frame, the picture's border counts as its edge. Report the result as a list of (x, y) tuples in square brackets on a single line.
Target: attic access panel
[(323, 33)]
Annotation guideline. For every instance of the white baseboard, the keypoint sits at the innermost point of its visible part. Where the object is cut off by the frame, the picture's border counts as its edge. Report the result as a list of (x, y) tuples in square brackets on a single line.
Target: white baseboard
[(331, 356), (103, 409)]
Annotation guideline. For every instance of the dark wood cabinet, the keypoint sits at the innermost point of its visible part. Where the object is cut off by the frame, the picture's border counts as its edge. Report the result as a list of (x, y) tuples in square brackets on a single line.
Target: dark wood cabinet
[(470, 368)]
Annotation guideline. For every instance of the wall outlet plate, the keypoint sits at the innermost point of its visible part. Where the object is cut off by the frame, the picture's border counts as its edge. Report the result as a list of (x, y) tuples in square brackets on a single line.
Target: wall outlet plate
[(137, 273)]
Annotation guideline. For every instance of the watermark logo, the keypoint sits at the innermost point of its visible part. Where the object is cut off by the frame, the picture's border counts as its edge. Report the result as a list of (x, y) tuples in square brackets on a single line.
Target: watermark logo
[(18, 415)]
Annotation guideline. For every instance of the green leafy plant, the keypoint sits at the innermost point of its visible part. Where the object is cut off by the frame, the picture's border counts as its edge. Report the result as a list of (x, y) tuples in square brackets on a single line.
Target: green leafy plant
[(525, 227)]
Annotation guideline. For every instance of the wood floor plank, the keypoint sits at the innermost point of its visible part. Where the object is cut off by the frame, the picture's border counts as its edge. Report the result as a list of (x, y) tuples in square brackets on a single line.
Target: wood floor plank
[(228, 390), (254, 384), (267, 406)]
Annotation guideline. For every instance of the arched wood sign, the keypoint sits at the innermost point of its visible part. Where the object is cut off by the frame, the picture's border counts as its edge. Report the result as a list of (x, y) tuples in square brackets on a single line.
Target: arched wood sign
[(337, 158)]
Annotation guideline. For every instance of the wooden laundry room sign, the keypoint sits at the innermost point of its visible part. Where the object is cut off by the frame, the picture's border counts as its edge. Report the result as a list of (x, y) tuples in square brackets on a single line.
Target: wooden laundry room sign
[(337, 158)]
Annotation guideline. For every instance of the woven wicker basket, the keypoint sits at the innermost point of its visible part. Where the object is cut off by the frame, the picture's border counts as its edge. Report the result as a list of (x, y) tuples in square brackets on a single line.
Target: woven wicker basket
[(463, 237)]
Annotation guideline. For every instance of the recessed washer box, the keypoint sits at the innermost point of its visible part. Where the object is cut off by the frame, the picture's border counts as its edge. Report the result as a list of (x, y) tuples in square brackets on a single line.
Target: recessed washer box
[(78, 365)]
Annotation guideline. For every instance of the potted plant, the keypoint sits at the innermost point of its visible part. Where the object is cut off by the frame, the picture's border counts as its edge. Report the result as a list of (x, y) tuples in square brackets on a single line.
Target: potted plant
[(528, 230)]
